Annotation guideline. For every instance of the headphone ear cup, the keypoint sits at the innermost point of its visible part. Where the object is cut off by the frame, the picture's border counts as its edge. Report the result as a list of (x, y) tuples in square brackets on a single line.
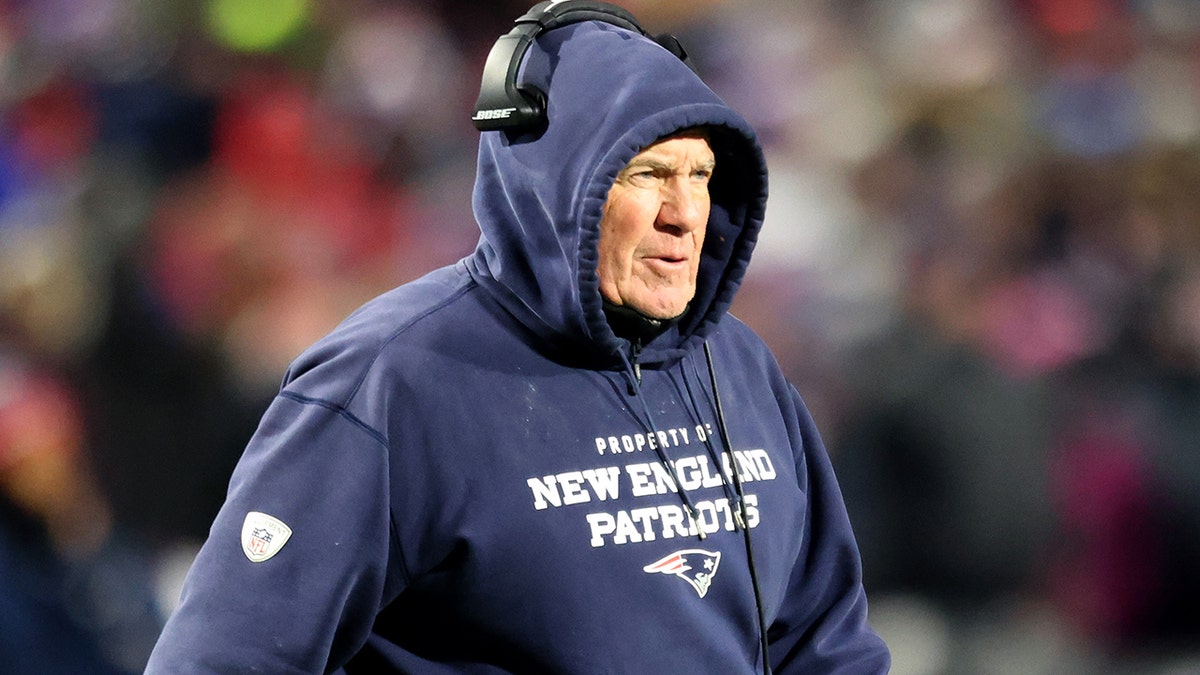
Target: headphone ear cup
[(535, 117)]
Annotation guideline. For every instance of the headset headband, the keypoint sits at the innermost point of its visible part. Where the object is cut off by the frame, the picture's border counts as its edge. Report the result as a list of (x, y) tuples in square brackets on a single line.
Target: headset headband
[(505, 105)]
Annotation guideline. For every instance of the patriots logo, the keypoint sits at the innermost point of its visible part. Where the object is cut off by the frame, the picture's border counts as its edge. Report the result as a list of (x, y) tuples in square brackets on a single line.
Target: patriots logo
[(693, 565)]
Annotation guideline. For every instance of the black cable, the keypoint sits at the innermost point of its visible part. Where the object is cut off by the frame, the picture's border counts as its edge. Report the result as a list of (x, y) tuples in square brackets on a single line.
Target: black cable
[(735, 503), (737, 486)]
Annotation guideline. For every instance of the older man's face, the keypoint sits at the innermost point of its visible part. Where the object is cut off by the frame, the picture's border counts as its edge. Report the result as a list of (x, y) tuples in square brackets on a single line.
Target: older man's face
[(653, 227)]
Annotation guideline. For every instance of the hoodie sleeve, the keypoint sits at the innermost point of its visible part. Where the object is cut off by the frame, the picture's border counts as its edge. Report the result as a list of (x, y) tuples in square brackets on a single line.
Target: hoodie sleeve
[(310, 606), (822, 625)]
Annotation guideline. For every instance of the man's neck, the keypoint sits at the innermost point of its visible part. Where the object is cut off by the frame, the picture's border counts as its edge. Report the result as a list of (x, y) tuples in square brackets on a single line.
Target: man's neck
[(634, 326)]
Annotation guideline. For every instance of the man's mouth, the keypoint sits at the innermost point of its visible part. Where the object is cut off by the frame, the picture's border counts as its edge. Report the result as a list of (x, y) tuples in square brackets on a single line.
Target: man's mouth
[(669, 257)]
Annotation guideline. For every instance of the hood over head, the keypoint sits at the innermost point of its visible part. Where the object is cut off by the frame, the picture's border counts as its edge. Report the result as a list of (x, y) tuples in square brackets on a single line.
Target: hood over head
[(538, 198)]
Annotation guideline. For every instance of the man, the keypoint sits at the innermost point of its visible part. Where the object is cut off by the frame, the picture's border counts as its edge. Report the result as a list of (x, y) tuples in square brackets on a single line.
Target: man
[(519, 463)]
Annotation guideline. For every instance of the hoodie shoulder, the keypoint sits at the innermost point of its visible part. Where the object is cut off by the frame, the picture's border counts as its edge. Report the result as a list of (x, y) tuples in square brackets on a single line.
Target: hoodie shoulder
[(334, 368)]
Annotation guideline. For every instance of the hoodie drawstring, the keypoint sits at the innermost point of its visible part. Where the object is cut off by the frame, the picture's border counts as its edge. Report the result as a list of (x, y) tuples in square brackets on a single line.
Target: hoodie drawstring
[(634, 376)]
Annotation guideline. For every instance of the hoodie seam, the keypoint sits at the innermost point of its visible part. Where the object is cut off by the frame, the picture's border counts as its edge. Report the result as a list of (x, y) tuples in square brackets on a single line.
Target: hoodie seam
[(345, 414), (339, 410)]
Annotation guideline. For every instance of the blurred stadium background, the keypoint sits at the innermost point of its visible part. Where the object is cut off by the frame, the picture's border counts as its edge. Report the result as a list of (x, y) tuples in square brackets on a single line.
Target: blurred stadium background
[(981, 267)]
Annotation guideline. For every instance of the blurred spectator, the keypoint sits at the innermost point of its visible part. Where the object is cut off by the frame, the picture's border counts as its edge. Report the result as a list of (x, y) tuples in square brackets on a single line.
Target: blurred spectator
[(76, 593)]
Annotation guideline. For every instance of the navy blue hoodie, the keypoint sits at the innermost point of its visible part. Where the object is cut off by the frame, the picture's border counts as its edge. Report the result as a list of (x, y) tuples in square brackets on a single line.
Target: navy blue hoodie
[(467, 475)]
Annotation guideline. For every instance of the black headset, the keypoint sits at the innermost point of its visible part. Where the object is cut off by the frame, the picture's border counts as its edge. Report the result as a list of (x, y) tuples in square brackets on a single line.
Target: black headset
[(505, 105)]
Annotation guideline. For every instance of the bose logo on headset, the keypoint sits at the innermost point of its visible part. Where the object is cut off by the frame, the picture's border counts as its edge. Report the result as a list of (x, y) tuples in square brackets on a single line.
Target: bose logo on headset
[(505, 105), (497, 114)]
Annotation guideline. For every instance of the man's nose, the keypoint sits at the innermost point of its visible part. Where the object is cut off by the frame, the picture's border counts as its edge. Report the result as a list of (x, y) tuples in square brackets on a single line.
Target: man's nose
[(684, 205)]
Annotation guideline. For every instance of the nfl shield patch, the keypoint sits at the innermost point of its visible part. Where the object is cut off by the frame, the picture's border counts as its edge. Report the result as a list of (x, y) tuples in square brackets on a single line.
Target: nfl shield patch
[(263, 535)]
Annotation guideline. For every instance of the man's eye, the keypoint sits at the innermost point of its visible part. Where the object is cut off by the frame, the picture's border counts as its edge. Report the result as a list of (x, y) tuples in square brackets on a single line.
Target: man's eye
[(646, 177)]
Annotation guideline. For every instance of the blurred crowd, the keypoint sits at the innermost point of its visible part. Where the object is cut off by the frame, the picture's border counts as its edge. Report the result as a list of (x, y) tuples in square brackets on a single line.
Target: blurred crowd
[(981, 268)]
